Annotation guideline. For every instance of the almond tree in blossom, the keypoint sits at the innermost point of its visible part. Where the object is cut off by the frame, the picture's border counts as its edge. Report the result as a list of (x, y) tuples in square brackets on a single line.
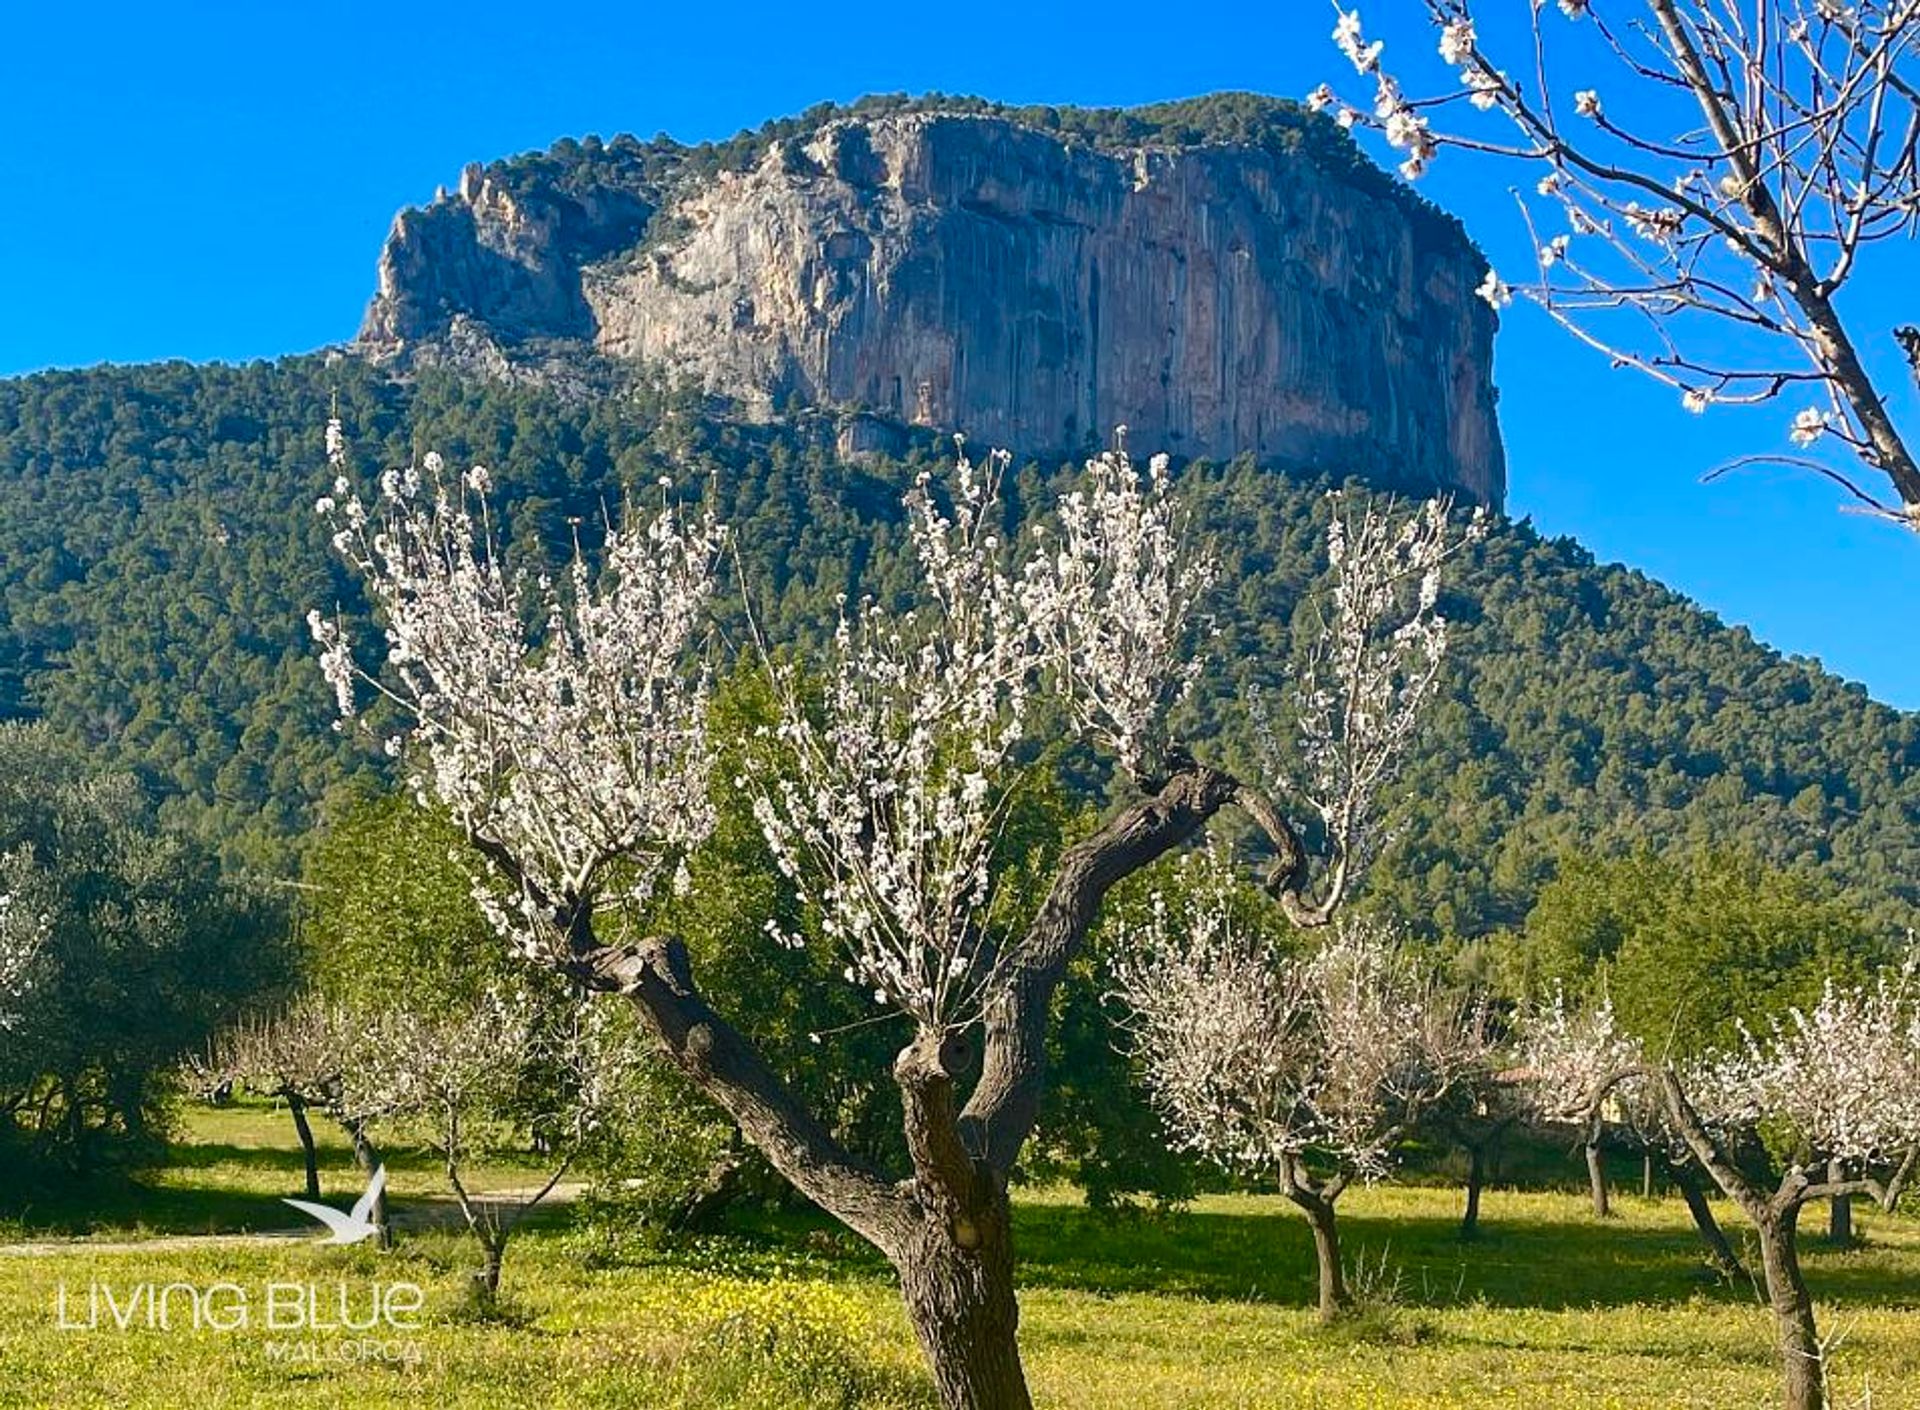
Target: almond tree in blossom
[(455, 1079), (1566, 1059), (1309, 1069), (304, 1056), (1835, 1087), (562, 724), (1709, 177)]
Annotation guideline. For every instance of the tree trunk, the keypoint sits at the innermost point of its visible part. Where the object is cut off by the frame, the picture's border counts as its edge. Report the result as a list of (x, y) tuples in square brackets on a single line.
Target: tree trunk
[(948, 1233), (1839, 1210), (307, 1152), (1334, 1297), (1800, 1354), (1646, 1175), (368, 1160), (1719, 1251), (724, 1183), (486, 1282), (1597, 1181), (1476, 1177), (957, 1283)]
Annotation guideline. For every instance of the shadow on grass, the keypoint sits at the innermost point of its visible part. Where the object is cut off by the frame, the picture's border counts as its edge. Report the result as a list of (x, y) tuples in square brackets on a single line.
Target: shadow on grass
[(132, 1207), (1546, 1265), (206, 1156), (1268, 1257)]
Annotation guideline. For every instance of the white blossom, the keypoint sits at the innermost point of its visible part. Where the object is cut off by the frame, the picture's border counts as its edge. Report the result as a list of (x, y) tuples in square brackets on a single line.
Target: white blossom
[(1115, 603), (1809, 425), (1484, 87), (897, 786), (1365, 57), (23, 934), (305, 1053), (562, 725), (1842, 1078), (1494, 290), (1254, 1057), (1839, 1081), (1356, 701), (1456, 41), (1570, 1055)]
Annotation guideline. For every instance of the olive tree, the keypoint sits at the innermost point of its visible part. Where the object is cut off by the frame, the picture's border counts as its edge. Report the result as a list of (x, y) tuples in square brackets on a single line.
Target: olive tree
[(561, 721)]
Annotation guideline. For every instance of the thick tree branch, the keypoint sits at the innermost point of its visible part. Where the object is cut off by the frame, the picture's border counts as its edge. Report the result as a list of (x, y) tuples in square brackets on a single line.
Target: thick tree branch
[(1286, 879), (655, 975), (1798, 1188), (946, 1176), (1000, 1114), (1707, 1151)]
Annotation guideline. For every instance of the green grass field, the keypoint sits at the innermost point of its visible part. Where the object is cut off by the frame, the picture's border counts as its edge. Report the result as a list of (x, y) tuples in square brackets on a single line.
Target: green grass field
[(1207, 1307)]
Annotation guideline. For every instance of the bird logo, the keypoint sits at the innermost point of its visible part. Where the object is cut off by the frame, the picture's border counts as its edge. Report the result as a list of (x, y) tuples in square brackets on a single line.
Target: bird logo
[(357, 1225)]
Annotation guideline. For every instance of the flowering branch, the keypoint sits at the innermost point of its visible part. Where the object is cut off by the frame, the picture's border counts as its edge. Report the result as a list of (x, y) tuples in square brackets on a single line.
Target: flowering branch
[(1780, 149), (572, 751), (1358, 700), (889, 815), (1115, 599)]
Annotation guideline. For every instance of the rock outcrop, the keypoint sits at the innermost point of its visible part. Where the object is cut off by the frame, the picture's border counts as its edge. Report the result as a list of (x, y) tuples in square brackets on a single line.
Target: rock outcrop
[(504, 258), (970, 271)]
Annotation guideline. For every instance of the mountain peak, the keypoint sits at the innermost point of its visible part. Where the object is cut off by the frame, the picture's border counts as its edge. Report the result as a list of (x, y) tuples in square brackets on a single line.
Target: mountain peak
[(1225, 275)]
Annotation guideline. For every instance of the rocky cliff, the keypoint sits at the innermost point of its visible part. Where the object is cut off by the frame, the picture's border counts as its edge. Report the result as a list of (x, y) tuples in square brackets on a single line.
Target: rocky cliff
[(990, 272)]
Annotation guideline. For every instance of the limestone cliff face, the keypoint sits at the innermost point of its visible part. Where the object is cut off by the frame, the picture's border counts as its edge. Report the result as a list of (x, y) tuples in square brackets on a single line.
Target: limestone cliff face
[(972, 273), (507, 259)]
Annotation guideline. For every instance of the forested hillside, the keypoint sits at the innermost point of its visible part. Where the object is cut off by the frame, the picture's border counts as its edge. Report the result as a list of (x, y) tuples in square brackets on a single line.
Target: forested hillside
[(158, 553)]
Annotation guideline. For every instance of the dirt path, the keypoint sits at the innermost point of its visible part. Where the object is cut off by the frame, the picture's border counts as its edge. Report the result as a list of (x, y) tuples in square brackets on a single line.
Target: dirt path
[(412, 1214)]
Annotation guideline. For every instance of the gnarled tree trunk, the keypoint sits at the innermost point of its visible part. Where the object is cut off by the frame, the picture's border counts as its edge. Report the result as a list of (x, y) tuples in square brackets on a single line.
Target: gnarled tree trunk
[(1334, 1297), (947, 1230), (957, 1283), (1317, 1203), (1804, 1379), (1776, 1220)]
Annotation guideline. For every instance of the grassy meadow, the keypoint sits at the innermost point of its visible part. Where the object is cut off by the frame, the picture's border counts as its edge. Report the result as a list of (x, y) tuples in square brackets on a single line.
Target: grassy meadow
[(1209, 1306)]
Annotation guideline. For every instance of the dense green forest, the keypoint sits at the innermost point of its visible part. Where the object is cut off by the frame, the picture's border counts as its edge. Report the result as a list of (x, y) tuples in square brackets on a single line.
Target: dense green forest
[(158, 553)]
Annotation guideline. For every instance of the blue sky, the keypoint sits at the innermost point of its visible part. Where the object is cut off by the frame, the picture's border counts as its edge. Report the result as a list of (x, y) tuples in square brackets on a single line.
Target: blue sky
[(213, 181)]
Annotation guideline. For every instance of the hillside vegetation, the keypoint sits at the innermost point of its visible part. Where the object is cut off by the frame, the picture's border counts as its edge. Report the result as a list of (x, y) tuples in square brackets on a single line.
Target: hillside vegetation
[(158, 554)]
